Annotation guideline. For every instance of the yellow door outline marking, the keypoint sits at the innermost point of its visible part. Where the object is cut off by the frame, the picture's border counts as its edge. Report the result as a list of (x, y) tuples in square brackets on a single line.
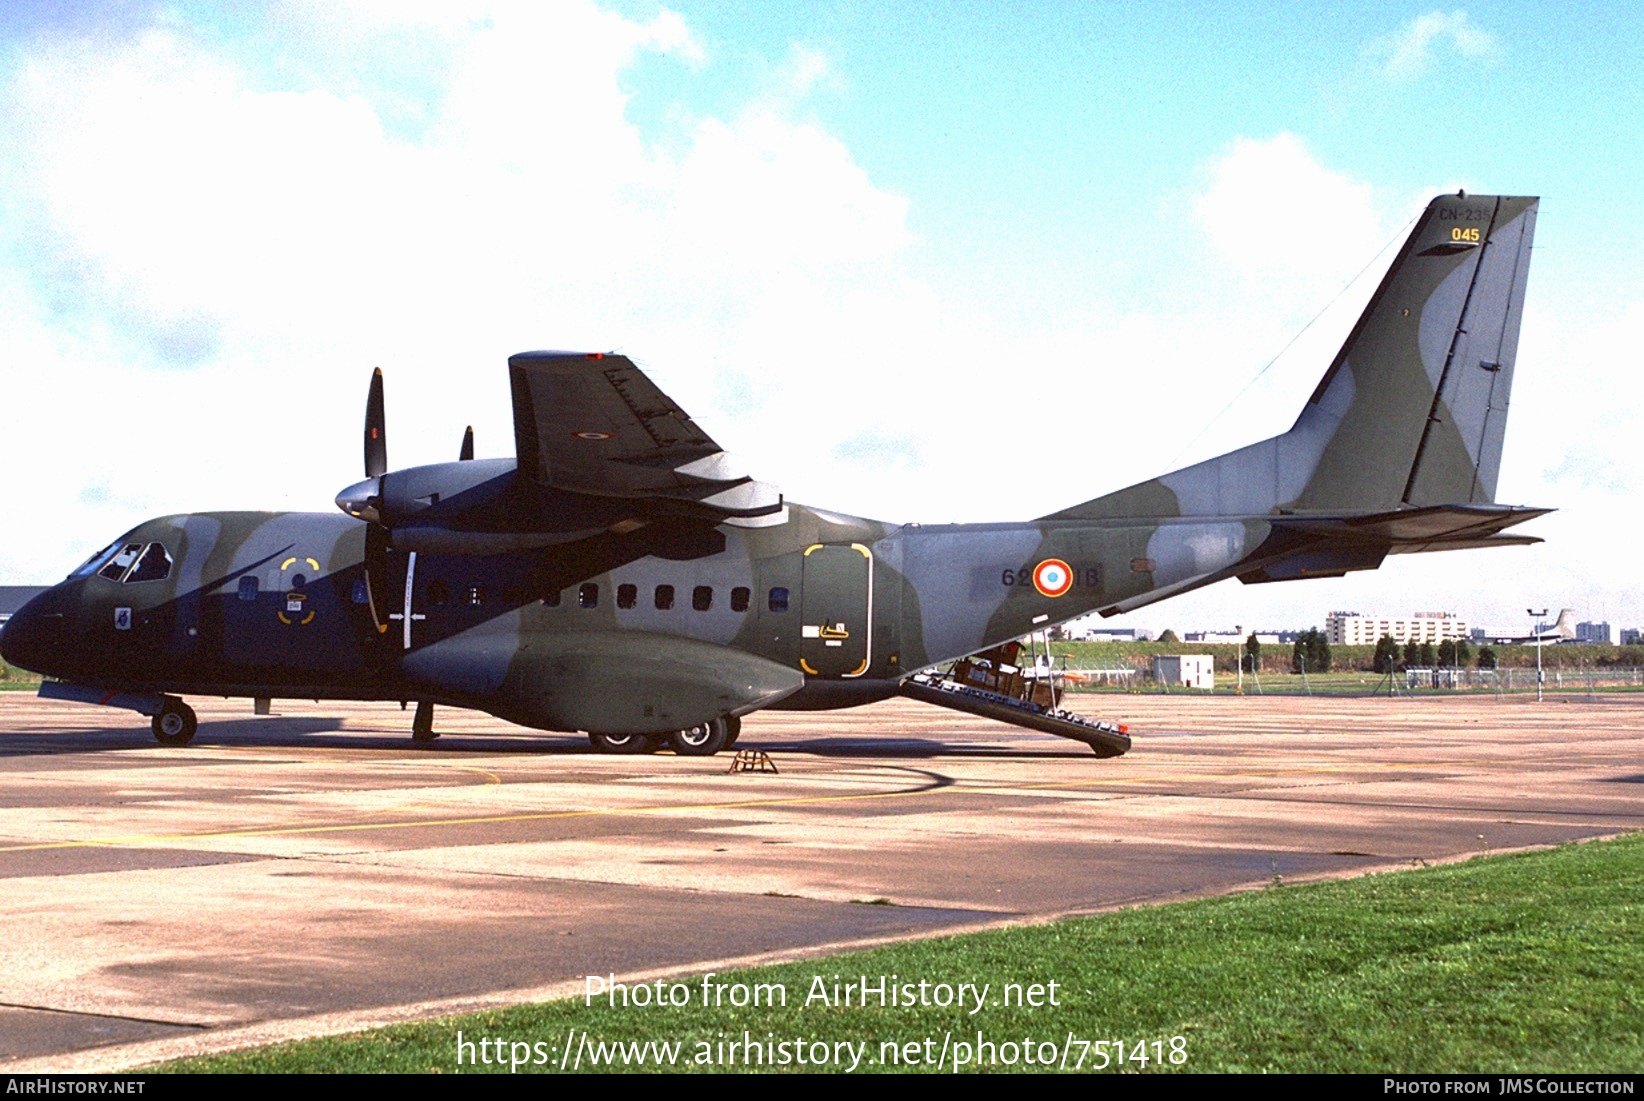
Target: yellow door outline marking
[(836, 633)]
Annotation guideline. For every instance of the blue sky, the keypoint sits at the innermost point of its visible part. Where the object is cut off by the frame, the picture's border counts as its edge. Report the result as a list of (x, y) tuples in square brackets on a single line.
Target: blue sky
[(938, 262)]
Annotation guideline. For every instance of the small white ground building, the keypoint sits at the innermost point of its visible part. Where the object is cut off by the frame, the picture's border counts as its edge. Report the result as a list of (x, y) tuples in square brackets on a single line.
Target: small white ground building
[(1185, 671)]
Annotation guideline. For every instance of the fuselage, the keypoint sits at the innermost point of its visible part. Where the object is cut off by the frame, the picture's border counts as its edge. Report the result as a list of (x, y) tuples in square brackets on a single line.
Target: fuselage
[(645, 627)]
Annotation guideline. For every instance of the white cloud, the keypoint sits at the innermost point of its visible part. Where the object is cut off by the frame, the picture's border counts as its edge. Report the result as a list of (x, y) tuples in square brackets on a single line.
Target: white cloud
[(1410, 52), (1272, 211), (207, 244)]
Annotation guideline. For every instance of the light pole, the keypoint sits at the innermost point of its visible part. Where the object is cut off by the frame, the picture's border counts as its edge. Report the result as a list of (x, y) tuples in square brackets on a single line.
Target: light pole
[(1535, 629)]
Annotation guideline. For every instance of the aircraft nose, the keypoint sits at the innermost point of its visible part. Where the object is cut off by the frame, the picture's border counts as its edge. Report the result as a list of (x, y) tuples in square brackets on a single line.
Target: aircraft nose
[(34, 634)]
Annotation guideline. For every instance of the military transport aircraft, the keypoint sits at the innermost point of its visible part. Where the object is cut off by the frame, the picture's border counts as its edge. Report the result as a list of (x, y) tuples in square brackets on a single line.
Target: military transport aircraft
[(1562, 630), (621, 576)]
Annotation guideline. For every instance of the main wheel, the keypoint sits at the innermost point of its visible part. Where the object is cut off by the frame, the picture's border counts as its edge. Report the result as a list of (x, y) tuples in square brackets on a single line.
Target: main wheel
[(701, 740), (733, 727), (620, 743), (175, 724)]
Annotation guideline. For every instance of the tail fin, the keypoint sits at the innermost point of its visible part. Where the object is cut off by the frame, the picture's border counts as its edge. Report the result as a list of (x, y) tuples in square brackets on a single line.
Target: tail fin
[(1411, 412), (1565, 626)]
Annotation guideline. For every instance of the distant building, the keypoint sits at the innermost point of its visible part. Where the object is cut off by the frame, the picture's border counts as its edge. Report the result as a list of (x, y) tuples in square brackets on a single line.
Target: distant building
[(1595, 632), (1185, 670), (1631, 636), (1090, 628), (1354, 629), (1236, 637)]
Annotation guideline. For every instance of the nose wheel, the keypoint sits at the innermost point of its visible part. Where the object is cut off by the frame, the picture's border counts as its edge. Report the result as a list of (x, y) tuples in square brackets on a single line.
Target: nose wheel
[(175, 723)]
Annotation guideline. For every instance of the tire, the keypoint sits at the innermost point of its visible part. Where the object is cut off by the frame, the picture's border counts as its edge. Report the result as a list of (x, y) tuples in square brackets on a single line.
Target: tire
[(701, 740), (175, 724), (733, 727), (620, 743)]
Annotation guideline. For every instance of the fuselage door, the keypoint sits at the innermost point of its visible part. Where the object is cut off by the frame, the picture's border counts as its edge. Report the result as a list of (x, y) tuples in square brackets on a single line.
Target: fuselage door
[(836, 609)]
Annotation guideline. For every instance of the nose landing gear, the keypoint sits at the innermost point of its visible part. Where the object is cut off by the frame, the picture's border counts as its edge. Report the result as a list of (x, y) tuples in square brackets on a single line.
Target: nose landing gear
[(174, 723)]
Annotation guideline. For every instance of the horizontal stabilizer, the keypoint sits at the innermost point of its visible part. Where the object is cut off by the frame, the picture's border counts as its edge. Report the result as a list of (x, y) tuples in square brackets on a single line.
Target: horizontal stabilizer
[(1436, 523), (1302, 548)]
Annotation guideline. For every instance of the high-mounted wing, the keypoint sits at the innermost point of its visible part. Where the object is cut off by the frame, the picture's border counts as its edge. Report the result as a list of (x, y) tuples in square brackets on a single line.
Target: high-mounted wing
[(593, 423)]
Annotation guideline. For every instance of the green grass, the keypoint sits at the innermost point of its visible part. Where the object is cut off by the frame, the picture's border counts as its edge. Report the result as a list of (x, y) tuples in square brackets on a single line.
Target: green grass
[(1522, 963)]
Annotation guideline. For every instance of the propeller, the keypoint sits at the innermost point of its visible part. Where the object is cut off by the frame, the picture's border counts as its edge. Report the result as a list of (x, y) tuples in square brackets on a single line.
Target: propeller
[(376, 429), (363, 500)]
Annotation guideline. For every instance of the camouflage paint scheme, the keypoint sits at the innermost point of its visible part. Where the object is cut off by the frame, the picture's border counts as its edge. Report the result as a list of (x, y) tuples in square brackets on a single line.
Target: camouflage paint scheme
[(466, 583)]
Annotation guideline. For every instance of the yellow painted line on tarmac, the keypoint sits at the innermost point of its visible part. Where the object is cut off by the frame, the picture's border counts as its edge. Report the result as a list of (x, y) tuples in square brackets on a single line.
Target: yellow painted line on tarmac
[(676, 808)]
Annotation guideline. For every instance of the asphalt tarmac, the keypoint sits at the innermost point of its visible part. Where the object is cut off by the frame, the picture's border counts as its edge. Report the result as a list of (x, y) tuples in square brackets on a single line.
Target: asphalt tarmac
[(315, 871)]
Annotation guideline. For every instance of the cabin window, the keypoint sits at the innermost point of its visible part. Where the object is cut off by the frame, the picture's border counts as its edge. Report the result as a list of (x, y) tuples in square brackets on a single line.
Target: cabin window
[(739, 598), (476, 595), (627, 596), (121, 562), (664, 598), (155, 565), (702, 597), (588, 595), (248, 587), (778, 601), (551, 600)]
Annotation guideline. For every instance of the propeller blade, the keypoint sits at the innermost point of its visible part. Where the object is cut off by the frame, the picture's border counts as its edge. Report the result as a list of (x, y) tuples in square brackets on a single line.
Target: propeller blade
[(376, 429), (467, 451), (376, 576)]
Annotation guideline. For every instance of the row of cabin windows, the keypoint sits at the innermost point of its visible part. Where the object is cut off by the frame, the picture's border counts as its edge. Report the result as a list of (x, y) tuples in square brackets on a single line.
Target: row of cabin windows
[(702, 597), (438, 593)]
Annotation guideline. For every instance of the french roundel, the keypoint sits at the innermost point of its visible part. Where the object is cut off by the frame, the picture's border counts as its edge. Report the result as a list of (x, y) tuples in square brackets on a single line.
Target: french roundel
[(1053, 577)]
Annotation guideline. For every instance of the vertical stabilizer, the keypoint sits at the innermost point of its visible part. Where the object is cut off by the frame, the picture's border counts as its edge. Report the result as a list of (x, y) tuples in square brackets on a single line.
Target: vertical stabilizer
[(1413, 408)]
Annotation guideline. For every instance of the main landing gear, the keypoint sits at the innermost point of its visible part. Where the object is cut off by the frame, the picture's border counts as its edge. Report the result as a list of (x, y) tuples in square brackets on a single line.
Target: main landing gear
[(701, 740), (174, 723), (622, 743)]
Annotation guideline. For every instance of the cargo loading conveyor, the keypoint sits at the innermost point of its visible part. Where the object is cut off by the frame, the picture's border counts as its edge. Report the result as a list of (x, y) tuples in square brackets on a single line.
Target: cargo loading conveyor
[(990, 685)]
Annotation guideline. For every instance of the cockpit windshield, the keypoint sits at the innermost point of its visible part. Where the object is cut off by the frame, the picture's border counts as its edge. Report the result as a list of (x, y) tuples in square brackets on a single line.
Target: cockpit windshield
[(96, 561), (154, 565), (121, 562), (128, 562)]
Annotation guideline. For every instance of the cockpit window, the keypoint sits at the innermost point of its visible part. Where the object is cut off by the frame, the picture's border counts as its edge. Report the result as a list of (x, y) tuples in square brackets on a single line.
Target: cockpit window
[(120, 563), (155, 565), (96, 561)]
